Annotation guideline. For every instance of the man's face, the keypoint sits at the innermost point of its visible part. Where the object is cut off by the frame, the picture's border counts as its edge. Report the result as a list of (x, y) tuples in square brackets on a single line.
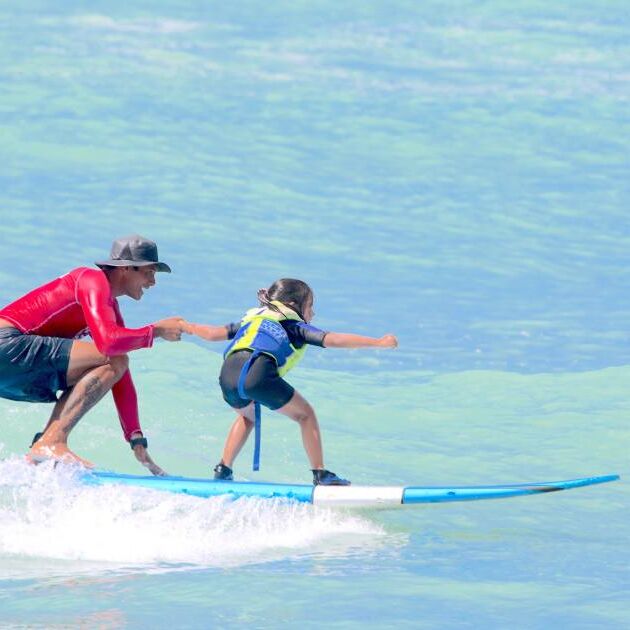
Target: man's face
[(139, 279)]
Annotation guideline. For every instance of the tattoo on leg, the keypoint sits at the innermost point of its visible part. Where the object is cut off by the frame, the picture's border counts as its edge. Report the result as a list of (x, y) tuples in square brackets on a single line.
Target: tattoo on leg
[(82, 401)]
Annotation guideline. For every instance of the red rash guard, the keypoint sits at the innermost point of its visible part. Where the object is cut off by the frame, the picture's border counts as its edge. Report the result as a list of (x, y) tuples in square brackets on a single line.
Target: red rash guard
[(80, 303)]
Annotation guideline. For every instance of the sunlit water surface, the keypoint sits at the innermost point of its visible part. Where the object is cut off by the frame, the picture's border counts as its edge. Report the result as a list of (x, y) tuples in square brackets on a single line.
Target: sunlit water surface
[(454, 173)]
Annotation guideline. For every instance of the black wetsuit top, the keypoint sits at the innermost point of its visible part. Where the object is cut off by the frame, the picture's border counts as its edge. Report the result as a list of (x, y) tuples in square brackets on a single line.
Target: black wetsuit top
[(299, 333)]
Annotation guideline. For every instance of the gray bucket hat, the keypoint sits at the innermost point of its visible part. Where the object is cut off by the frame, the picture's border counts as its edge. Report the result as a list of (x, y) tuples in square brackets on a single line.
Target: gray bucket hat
[(134, 251)]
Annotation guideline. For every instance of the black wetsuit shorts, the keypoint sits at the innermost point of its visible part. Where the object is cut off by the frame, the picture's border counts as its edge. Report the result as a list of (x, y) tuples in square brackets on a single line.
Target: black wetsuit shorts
[(262, 383), (32, 368)]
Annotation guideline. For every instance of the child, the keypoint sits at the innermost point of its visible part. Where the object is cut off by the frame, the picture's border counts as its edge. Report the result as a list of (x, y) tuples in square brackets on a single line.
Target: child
[(265, 345)]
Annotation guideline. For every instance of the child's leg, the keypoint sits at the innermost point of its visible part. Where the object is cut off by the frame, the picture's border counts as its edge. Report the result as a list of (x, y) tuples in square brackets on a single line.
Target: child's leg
[(241, 428), (298, 409)]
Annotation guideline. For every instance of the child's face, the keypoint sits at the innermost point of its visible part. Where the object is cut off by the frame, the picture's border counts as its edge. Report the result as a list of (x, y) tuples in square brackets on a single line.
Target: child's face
[(308, 313)]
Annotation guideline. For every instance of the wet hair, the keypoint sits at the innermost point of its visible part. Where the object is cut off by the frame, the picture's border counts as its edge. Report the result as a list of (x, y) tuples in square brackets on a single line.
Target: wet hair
[(292, 293)]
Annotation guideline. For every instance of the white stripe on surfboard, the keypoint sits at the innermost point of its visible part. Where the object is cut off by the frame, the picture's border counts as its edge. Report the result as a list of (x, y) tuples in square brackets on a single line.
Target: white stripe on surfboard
[(357, 496)]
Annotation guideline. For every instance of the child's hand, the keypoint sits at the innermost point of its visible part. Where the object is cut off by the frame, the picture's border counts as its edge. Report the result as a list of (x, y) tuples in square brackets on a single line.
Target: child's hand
[(188, 328), (388, 341)]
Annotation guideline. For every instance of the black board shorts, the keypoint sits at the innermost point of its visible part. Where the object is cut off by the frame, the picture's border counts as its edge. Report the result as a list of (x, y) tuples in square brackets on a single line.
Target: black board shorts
[(262, 384), (32, 368)]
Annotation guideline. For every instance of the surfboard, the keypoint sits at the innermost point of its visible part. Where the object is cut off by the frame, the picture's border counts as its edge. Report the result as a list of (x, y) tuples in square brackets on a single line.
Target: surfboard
[(339, 496)]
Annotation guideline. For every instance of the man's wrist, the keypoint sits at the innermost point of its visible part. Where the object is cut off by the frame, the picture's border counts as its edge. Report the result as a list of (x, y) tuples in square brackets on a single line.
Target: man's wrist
[(138, 441), (151, 336)]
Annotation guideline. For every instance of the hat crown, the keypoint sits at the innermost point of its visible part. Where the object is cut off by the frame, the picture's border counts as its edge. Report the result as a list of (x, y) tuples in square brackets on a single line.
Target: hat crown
[(134, 248)]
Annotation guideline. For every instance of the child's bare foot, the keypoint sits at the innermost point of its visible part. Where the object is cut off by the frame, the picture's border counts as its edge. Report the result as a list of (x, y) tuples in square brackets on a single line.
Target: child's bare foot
[(59, 452)]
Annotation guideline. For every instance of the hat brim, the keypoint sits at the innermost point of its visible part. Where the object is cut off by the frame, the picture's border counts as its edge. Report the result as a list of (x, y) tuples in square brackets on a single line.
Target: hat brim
[(161, 266)]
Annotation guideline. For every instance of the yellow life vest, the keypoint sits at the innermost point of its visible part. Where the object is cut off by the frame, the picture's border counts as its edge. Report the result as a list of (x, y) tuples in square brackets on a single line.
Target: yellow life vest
[(262, 333)]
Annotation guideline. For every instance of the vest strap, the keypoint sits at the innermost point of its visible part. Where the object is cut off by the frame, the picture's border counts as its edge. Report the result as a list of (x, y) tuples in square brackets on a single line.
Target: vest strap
[(257, 410), (257, 419)]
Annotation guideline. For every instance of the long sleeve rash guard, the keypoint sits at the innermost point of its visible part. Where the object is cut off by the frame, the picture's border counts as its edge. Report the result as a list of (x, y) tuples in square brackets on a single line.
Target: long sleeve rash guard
[(80, 303)]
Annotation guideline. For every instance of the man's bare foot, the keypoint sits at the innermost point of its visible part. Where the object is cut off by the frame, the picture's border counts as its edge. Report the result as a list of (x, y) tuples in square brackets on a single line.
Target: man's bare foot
[(59, 452)]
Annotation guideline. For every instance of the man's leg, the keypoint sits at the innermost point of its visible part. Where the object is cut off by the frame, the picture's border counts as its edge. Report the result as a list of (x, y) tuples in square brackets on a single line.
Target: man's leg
[(55, 414), (90, 376)]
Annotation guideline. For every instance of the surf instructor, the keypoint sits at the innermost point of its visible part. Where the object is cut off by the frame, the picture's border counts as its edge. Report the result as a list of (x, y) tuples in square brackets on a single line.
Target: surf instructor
[(41, 353)]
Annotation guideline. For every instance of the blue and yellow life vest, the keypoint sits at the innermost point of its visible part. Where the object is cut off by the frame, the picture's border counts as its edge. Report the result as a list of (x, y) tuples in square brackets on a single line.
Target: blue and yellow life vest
[(262, 333)]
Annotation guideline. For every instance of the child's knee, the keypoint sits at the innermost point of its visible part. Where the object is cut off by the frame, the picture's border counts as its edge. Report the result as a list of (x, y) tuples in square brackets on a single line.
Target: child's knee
[(305, 414)]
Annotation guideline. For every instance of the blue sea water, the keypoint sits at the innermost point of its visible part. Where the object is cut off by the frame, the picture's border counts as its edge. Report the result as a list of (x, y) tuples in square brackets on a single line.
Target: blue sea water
[(456, 173)]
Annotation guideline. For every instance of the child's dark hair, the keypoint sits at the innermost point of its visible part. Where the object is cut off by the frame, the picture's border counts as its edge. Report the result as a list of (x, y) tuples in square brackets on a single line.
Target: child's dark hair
[(294, 293)]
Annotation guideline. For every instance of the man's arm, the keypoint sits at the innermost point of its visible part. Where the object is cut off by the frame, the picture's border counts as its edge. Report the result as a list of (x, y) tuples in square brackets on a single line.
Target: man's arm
[(110, 337), (126, 401)]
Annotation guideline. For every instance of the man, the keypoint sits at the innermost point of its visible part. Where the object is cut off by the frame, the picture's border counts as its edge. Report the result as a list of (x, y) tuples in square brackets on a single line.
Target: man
[(41, 354)]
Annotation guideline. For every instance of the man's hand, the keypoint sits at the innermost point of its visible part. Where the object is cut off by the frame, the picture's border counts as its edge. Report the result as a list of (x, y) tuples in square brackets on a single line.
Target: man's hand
[(142, 455), (170, 329)]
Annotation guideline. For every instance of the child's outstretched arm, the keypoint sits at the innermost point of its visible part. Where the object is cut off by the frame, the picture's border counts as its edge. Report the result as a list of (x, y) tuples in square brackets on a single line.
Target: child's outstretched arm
[(206, 331), (349, 340)]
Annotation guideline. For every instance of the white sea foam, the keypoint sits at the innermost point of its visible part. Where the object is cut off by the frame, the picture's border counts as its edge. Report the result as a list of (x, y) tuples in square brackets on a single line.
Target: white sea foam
[(48, 513)]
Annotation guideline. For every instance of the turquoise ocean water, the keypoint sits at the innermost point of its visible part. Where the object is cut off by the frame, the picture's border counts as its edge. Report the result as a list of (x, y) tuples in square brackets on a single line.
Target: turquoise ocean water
[(454, 172)]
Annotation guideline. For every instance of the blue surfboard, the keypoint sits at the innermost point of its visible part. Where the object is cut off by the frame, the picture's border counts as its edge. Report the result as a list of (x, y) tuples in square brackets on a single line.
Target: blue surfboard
[(339, 496)]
